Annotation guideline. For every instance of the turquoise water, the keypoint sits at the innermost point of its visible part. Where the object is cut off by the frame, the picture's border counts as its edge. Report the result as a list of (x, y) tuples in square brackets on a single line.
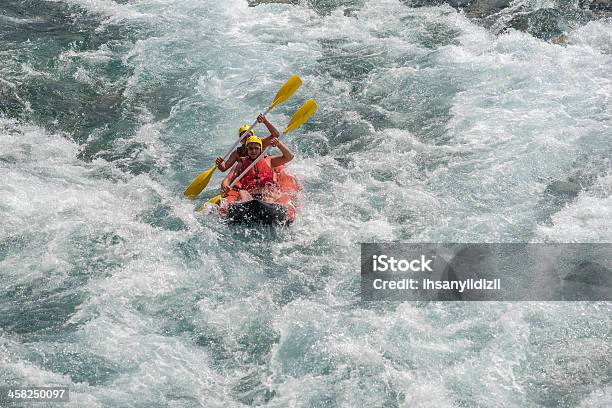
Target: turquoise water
[(431, 127)]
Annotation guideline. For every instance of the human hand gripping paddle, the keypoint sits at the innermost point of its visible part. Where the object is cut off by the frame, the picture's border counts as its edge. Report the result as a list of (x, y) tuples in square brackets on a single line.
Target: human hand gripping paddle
[(299, 118), (200, 182)]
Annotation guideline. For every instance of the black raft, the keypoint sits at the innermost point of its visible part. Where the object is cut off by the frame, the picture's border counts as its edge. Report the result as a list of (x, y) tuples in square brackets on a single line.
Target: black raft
[(257, 212)]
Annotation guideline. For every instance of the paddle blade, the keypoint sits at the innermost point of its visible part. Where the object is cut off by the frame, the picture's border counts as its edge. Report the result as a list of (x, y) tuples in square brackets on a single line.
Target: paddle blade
[(308, 108), (199, 183), (215, 199), (286, 90)]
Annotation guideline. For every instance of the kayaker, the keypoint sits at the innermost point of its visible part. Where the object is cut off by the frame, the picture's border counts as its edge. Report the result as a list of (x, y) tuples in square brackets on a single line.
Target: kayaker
[(259, 182), (241, 150)]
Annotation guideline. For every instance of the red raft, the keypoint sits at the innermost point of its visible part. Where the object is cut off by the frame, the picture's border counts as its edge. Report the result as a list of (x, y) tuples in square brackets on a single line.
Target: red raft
[(279, 211)]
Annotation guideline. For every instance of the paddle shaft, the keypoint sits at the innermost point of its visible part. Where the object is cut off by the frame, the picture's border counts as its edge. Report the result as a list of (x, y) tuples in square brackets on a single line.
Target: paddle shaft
[(243, 135), (298, 119), (237, 179)]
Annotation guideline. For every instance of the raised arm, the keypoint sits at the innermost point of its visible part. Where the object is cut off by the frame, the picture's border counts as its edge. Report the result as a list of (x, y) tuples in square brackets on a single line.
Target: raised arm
[(286, 156), (273, 131)]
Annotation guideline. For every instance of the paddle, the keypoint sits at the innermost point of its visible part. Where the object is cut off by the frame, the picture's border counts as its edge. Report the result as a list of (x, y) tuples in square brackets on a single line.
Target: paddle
[(299, 117), (200, 182)]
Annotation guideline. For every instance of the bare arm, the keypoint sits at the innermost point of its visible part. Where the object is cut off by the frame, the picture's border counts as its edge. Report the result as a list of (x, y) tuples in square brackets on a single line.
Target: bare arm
[(227, 164), (273, 131), (229, 178), (286, 156)]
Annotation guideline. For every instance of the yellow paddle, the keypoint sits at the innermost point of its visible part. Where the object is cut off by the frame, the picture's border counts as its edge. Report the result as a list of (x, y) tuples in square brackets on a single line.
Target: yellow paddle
[(299, 117), (200, 182)]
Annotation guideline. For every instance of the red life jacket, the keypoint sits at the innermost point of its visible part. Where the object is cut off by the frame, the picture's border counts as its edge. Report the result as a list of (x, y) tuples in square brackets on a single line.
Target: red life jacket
[(259, 176)]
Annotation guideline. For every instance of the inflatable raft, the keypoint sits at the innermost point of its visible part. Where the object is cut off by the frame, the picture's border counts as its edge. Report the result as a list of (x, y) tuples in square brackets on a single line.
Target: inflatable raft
[(278, 209)]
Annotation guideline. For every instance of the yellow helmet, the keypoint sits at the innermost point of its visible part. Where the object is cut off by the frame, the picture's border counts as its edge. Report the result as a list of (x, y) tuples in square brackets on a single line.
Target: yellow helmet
[(243, 129), (254, 139)]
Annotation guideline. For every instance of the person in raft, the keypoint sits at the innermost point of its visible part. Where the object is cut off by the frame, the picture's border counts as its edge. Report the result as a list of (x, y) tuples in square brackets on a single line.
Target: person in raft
[(259, 181), (241, 150)]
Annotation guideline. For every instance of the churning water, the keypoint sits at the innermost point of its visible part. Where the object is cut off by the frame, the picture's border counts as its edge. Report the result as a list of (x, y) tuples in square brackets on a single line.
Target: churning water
[(435, 124)]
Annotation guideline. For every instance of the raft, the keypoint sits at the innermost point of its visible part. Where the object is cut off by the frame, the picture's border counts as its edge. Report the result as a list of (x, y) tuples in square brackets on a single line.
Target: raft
[(280, 211)]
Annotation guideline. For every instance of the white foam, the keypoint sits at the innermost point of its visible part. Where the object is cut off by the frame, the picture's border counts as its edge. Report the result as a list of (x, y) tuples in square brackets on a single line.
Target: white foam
[(587, 219), (117, 11), (477, 182), (594, 34)]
